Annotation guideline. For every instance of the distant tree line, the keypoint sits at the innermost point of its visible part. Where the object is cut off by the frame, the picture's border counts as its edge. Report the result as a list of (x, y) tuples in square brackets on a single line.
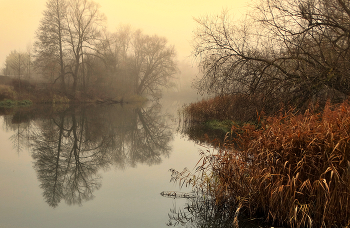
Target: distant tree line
[(74, 51), (18, 64), (290, 52)]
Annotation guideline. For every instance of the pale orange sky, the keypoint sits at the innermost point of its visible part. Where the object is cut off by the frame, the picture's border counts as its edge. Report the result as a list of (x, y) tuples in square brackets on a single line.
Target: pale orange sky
[(173, 19)]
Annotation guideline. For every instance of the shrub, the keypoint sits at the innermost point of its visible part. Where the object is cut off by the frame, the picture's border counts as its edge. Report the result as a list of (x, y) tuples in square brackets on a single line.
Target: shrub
[(294, 170), (24, 103), (57, 99), (6, 92), (22, 85)]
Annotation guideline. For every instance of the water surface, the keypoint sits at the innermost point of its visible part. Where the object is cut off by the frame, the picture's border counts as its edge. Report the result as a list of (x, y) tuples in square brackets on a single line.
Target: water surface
[(91, 166)]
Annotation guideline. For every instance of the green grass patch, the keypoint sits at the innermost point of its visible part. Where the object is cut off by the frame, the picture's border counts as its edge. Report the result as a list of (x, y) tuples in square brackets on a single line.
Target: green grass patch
[(11, 103), (224, 125)]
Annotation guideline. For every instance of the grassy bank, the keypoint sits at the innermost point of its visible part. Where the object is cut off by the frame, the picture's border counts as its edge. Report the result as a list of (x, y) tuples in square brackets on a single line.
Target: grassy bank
[(294, 170), (210, 120), (11, 103), (11, 96)]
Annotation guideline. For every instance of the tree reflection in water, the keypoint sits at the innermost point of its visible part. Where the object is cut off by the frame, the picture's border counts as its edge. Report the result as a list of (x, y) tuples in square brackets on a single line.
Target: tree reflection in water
[(69, 148), (202, 212), (205, 212)]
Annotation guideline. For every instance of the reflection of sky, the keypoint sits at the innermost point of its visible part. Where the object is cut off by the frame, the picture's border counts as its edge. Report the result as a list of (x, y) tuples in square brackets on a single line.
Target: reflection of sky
[(20, 194), (127, 198)]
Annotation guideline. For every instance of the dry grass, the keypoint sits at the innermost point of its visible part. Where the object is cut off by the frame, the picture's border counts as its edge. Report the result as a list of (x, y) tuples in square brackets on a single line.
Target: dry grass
[(294, 170), (227, 107)]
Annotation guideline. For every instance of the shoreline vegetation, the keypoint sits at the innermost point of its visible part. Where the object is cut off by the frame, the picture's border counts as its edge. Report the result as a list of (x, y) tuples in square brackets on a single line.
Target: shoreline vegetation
[(71, 64), (211, 119), (12, 97), (291, 168), (282, 76)]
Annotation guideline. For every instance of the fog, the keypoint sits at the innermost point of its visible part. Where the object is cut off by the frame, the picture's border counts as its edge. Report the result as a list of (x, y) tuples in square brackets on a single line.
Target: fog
[(171, 19)]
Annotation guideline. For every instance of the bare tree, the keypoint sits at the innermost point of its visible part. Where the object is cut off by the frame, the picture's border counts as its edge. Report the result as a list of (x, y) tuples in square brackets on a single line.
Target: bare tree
[(153, 63), (137, 63), (29, 60), (50, 45), (111, 62), (84, 22), (289, 51), (67, 32), (17, 64)]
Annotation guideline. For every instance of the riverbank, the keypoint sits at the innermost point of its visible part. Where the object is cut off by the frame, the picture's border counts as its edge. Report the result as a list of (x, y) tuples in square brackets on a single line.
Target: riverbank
[(11, 97), (214, 119), (12, 103), (291, 168)]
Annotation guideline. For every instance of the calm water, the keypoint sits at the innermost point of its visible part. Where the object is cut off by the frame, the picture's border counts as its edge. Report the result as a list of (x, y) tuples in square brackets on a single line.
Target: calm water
[(96, 166)]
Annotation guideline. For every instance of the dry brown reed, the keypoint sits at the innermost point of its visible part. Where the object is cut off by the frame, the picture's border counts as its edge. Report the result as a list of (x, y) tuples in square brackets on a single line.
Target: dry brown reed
[(294, 170), (226, 107)]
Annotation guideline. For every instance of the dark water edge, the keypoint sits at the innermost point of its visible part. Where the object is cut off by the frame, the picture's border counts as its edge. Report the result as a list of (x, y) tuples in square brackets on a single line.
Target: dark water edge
[(204, 212)]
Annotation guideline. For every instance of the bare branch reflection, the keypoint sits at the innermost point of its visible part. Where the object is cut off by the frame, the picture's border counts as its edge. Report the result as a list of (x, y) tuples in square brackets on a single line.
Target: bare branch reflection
[(72, 147), (150, 137), (202, 212)]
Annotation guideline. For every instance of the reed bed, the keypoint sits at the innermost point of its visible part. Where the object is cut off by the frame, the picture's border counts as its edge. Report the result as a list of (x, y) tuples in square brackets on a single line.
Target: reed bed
[(226, 107), (294, 170)]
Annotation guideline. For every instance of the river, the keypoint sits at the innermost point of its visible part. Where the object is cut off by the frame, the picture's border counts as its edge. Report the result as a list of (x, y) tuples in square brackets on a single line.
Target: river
[(93, 166)]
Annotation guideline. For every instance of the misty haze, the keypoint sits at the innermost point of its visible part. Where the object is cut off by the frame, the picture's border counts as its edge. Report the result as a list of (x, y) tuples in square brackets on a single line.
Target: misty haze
[(175, 114), (92, 123)]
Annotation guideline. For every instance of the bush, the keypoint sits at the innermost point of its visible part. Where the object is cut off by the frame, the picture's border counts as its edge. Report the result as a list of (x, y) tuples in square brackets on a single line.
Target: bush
[(6, 92), (294, 170), (24, 103), (22, 85), (57, 99)]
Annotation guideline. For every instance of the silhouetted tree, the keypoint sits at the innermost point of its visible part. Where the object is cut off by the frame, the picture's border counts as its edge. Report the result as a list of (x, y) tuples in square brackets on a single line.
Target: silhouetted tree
[(51, 55), (288, 51), (68, 31), (17, 64), (137, 62), (153, 63), (84, 22)]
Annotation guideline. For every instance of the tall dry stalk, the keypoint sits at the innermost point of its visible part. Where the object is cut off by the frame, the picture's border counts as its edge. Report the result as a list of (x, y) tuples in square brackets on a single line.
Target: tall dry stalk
[(295, 170)]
